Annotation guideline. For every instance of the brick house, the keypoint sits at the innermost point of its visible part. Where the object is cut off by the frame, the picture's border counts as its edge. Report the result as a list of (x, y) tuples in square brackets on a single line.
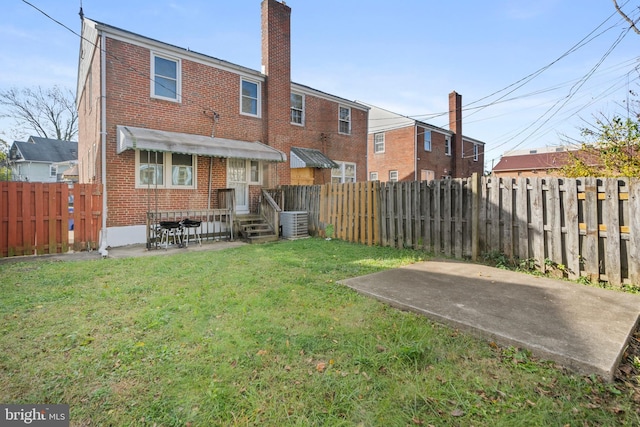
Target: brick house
[(400, 148), (165, 123), (534, 162)]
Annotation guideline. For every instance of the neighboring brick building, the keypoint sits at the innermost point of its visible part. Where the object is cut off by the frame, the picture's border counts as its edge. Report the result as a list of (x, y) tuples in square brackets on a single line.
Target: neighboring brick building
[(534, 162), (400, 148), (165, 127)]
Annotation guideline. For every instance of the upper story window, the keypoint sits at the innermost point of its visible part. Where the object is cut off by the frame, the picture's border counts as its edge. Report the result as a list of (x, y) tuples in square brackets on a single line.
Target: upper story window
[(297, 108), (344, 117), (427, 140), (53, 171), (447, 145), (250, 98), (166, 83), (476, 152), (378, 142), (393, 176)]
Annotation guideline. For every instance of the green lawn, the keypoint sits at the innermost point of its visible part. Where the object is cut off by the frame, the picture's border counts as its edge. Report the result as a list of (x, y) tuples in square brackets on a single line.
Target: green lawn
[(263, 335)]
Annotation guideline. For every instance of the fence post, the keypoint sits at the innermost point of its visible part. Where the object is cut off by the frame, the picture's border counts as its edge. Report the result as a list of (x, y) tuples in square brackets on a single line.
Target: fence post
[(475, 216)]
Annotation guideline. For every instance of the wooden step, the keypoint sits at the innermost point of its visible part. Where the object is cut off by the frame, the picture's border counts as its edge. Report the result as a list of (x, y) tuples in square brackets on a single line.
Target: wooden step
[(254, 229)]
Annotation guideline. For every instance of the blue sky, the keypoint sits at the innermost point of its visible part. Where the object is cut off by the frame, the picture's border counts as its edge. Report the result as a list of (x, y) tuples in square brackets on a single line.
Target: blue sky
[(402, 55)]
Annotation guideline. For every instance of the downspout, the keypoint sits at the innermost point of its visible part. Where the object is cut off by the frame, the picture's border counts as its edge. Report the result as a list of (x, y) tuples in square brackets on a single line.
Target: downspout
[(415, 153), (103, 133)]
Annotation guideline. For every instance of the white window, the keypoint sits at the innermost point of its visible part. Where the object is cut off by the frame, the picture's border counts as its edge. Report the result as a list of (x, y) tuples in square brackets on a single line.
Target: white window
[(254, 172), (475, 152), (427, 140), (53, 171), (166, 82), (378, 142), (165, 170), (250, 97), (344, 118), (447, 145), (373, 176), (345, 172), (393, 176), (297, 108)]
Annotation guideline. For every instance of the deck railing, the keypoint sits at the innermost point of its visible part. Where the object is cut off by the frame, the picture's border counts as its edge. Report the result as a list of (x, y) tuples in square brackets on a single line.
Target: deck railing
[(270, 211), (216, 224)]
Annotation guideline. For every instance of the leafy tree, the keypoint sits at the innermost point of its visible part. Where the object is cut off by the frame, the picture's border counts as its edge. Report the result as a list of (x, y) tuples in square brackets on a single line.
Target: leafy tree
[(5, 172), (50, 113), (612, 150)]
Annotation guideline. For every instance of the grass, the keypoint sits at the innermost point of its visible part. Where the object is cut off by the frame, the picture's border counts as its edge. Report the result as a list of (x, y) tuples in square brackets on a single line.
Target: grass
[(263, 335)]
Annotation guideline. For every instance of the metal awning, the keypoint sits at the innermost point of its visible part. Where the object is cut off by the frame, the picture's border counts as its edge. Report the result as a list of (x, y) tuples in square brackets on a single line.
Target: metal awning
[(133, 138), (310, 158)]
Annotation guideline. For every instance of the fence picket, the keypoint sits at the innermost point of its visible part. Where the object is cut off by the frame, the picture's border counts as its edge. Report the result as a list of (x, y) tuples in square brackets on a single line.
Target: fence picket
[(457, 199), (507, 217), (634, 231), (522, 220), (612, 224), (572, 235)]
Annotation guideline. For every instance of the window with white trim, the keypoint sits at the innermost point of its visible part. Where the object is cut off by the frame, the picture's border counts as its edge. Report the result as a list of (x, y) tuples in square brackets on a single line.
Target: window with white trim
[(427, 139), (254, 172), (344, 119), (393, 176), (373, 176), (297, 108), (53, 171), (476, 152), (165, 170), (447, 145), (166, 82), (378, 142), (345, 172), (250, 97)]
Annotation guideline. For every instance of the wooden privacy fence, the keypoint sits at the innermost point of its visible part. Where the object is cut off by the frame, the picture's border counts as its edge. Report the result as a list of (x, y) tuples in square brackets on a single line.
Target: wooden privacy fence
[(37, 218), (578, 227)]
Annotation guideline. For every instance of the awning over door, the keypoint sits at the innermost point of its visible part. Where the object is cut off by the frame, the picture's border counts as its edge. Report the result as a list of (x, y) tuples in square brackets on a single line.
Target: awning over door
[(132, 138), (310, 158)]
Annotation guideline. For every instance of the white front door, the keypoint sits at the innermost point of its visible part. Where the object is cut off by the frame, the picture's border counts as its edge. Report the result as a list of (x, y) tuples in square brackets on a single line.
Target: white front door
[(237, 178)]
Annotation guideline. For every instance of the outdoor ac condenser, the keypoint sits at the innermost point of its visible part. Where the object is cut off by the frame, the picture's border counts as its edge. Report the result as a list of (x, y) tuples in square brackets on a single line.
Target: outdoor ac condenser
[(295, 224)]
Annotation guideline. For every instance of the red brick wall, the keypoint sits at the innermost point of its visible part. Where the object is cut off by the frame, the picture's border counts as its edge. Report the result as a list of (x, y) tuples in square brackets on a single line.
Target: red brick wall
[(206, 88), (399, 154), (89, 108)]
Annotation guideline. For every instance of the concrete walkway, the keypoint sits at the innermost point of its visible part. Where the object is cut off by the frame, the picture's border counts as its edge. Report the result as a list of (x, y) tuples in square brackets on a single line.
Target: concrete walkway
[(131, 251), (583, 328)]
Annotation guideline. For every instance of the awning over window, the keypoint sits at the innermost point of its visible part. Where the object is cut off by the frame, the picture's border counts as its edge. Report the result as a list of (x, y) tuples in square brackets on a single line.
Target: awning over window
[(173, 142), (310, 158)]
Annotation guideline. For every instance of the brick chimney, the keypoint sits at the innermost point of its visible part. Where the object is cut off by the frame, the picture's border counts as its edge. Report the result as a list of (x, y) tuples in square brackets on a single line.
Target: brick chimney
[(455, 126), (276, 65)]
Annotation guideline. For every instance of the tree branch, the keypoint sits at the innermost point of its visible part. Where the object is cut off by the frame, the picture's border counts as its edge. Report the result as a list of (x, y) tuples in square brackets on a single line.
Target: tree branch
[(624, 15)]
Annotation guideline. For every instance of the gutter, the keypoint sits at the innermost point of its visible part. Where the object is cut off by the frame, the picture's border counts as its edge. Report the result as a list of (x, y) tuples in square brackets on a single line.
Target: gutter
[(103, 133)]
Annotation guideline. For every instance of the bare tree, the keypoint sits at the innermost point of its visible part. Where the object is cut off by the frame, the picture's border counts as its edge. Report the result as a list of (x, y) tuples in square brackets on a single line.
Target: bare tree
[(50, 113), (631, 22)]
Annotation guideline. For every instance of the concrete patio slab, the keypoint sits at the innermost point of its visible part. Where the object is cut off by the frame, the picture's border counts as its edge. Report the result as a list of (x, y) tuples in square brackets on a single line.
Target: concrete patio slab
[(583, 328)]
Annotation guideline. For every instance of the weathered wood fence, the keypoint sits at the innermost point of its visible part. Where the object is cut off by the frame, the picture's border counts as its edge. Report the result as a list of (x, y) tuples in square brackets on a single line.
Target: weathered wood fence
[(577, 227), (35, 218)]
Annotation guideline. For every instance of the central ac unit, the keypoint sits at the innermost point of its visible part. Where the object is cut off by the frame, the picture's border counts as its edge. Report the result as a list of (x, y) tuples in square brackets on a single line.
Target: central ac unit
[(295, 224)]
